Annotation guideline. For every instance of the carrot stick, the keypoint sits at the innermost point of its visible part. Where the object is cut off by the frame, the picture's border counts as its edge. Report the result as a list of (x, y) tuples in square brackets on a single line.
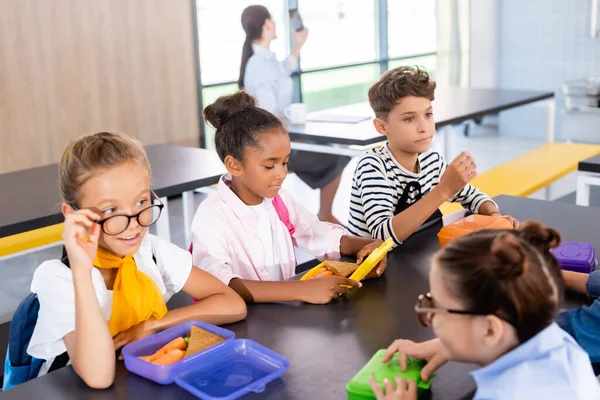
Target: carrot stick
[(320, 272), (169, 358), (178, 343)]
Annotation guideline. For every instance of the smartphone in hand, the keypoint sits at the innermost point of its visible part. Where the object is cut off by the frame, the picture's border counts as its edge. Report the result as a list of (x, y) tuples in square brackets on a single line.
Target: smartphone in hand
[(296, 20)]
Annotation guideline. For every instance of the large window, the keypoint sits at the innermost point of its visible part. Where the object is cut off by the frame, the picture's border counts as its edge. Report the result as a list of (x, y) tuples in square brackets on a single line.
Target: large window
[(342, 32), (412, 27), (338, 87), (429, 62), (344, 54), (221, 37)]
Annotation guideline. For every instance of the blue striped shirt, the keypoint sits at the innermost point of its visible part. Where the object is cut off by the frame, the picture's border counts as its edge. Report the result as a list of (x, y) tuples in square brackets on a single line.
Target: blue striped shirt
[(378, 184)]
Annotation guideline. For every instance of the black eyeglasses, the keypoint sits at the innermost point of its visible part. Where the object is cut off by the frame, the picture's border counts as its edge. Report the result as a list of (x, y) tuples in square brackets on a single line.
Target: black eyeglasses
[(425, 309), (117, 224)]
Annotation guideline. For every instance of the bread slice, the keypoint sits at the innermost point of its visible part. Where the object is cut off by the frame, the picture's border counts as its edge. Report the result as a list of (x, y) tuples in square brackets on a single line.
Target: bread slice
[(341, 268), (201, 339)]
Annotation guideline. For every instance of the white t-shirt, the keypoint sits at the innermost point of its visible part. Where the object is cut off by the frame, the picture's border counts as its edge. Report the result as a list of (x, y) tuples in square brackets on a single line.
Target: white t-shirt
[(263, 227), (53, 284)]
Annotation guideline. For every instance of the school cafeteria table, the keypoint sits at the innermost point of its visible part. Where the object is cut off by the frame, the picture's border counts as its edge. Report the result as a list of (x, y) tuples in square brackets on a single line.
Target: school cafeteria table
[(588, 174), (31, 197), (333, 130), (327, 345)]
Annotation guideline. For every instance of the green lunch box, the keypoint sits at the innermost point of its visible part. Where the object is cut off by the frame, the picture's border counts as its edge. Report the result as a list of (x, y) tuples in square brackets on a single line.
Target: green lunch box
[(359, 387)]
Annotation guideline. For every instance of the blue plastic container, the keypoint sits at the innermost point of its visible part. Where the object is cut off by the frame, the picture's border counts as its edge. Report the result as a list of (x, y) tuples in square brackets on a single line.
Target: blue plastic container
[(225, 371), (230, 371), (162, 373)]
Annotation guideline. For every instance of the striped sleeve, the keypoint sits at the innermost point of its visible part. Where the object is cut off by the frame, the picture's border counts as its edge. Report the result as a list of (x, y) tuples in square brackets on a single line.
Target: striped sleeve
[(372, 200), (470, 197)]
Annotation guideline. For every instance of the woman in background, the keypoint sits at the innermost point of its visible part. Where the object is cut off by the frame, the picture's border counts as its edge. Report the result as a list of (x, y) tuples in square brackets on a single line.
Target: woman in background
[(269, 80)]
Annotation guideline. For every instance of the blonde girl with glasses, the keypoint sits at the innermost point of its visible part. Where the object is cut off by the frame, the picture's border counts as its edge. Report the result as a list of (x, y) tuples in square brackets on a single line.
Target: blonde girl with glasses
[(119, 277)]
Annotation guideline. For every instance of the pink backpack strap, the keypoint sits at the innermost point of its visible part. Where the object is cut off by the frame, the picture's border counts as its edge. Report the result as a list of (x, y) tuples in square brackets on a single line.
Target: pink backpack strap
[(283, 214)]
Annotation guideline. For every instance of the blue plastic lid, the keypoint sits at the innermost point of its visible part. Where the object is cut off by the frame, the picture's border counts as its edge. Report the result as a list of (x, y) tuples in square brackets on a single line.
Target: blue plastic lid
[(230, 371)]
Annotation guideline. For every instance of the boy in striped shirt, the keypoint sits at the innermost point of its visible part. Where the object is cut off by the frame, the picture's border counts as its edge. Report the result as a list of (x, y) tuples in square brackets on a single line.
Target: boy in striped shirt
[(401, 185)]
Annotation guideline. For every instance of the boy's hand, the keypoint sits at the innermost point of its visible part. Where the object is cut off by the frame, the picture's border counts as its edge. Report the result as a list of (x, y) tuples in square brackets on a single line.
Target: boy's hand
[(515, 222), (458, 173)]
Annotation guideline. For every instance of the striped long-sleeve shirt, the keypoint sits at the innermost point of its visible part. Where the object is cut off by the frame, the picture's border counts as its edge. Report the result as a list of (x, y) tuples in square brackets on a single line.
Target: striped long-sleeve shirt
[(378, 184)]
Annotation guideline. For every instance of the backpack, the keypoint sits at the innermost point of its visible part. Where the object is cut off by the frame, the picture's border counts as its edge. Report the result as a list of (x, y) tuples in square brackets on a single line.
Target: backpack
[(19, 366)]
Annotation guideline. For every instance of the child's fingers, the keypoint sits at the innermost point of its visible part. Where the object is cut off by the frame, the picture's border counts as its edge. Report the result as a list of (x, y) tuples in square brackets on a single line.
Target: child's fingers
[(401, 384), (393, 349), (361, 255), (376, 389), (412, 388), (340, 290), (432, 365), (75, 233), (382, 266), (94, 233), (78, 219), (346, 281), (388, 385), (89, 213)]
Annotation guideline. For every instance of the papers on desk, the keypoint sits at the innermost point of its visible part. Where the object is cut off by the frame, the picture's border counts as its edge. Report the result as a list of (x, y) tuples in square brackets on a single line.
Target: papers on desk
[(338, 118)]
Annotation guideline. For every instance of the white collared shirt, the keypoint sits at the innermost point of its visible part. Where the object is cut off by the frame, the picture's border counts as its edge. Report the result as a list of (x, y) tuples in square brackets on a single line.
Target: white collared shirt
[(227, 242), (269, 80)]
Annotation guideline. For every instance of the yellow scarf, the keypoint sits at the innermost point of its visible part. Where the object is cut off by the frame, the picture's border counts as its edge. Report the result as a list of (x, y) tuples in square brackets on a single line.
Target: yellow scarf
[(136, 297)]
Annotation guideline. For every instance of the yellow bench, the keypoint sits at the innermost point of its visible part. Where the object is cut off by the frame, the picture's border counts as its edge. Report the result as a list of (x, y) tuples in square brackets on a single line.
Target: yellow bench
[(30, 240), (530, 172)]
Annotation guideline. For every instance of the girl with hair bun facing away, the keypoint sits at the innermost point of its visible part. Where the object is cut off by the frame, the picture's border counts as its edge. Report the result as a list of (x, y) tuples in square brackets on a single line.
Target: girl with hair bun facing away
[(493, 299)]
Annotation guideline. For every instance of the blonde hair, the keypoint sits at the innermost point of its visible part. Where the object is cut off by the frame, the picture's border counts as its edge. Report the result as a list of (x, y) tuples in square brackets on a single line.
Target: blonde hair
[(92, 152)]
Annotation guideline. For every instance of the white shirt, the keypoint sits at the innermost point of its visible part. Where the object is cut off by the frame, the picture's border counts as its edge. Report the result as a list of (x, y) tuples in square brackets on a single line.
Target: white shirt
[(53, 284), (263, 229), (226, 242), (269, 80)]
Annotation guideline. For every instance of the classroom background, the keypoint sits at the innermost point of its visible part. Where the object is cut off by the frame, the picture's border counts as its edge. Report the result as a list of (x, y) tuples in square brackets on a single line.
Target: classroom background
[(148, 68)]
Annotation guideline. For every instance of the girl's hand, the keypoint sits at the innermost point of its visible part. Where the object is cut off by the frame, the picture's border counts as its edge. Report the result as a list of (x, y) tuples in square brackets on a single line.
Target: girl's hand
[(80, 238), (323, 290), (405, 389), (368, 249), (136, 332), (432, 351)]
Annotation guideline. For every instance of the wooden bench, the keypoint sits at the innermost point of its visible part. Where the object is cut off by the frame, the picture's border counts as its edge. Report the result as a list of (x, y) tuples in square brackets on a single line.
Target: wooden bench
[(530, 172), (25, 241)]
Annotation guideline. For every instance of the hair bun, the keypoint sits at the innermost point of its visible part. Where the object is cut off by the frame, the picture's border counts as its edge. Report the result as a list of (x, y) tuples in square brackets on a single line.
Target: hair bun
[(222, 110), (509, 256), (540, 236)]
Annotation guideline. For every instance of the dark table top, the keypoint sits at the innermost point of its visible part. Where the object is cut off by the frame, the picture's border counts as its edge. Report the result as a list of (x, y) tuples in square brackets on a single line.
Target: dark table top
[(31, 198), (452, 105), (327, 345), (590, 165)]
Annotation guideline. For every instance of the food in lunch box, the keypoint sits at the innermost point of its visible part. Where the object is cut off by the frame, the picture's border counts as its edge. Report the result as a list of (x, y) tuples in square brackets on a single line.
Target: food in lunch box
[(201, 339), (179, 348), (341, 268), (335, 268)]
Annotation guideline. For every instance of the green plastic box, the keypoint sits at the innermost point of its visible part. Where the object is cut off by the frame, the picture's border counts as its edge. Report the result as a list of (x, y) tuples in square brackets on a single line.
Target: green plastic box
[(359, 387)]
